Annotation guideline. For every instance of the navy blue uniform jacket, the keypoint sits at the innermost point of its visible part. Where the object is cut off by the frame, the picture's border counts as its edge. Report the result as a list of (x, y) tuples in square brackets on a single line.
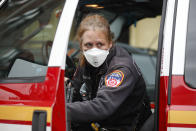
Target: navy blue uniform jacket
[(117, 91)]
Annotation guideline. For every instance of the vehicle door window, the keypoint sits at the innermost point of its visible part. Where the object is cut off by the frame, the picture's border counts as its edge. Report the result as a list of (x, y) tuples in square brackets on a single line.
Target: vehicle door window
[(190, 63), (27, 32)]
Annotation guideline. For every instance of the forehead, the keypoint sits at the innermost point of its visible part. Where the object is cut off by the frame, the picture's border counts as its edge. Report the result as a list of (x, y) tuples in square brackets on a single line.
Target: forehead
[(94, 35)]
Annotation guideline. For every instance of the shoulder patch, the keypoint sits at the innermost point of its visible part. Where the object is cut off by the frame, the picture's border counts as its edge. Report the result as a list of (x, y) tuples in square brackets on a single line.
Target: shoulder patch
[(114, 79)]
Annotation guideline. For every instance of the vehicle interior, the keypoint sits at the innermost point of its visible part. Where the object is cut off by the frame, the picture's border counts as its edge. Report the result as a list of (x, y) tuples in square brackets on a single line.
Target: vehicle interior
[(135, 24)]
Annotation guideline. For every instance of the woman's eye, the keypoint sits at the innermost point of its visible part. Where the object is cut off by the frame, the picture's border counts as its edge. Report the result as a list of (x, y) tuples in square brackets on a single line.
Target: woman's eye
[(99, 44), (88, 45)]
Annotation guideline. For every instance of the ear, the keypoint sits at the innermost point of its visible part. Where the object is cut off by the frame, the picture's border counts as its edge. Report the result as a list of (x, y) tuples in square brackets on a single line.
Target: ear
[(110, 44)]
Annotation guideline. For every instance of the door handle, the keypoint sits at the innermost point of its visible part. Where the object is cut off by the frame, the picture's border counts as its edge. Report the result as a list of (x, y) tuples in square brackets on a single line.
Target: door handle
[(39, 120)]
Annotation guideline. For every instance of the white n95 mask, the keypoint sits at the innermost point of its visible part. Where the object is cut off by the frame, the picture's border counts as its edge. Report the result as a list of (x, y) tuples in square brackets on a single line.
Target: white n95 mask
[(95, 56)]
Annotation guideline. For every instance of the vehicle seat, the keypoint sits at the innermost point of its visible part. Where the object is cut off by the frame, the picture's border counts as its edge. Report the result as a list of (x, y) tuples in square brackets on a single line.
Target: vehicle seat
[(148, 124)]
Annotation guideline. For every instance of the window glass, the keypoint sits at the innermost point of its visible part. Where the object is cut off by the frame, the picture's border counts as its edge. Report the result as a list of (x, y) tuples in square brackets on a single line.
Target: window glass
[(134, 29), (26, 36), (190, 63)]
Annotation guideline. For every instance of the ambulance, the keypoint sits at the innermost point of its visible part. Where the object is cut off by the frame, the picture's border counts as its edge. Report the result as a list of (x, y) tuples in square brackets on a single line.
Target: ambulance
[(39, 53)]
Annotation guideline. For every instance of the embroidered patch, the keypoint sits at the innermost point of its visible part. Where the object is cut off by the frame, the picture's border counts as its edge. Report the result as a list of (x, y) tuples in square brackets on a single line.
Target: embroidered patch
[(114, 79)]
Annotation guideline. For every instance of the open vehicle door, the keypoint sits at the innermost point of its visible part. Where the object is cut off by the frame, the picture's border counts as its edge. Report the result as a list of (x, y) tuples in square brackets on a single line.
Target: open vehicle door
[(31, 90)]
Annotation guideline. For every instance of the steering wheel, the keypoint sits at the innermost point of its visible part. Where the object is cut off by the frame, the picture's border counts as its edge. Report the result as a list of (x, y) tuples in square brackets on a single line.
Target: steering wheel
[(70, 67), (46, 51)]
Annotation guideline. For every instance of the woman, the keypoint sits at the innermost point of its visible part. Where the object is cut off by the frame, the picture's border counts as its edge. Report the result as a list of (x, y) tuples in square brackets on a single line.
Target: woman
[(114, 95)]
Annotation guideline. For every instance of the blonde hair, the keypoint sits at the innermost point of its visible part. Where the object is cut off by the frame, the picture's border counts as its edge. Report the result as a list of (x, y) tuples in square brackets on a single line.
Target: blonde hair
[(93, 22)]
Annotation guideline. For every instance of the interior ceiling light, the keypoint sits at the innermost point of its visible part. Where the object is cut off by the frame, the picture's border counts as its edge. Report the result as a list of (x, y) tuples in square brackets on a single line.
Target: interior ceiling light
[(94, 6), (100, 7)]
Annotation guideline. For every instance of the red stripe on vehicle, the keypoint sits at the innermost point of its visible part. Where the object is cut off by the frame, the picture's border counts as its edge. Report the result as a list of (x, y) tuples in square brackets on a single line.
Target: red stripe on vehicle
[(182, 125), (18, 122)]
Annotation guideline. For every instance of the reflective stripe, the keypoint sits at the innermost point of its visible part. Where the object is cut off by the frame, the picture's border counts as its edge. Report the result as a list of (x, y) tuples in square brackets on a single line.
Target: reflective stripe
[(182, 117), (22, 113), (14, 127)]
